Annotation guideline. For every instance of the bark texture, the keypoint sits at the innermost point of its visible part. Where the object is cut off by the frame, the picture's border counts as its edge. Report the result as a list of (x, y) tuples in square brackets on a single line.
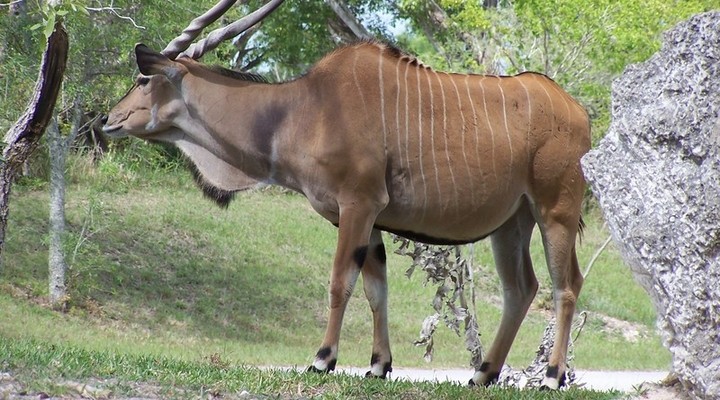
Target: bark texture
[(657, 177), (24, 136), (56, 255)]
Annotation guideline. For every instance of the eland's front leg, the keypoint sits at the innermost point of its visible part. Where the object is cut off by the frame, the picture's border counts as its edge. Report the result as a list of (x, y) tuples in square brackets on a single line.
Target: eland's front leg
[(375, 284), (356, 222)]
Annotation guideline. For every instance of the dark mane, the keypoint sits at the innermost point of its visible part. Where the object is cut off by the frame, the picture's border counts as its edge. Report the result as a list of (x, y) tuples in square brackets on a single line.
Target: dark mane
[(219, 196), (239, 75)]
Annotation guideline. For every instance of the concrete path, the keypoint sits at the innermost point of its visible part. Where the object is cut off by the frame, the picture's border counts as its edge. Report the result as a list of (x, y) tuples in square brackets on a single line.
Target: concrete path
[(624, 381)]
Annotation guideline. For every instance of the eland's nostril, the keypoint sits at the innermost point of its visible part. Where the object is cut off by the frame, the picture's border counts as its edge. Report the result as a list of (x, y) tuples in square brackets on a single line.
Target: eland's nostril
[(104, 119)]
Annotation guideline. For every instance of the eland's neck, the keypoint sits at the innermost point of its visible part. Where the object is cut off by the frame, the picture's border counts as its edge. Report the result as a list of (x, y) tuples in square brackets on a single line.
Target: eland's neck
[(248, 125)]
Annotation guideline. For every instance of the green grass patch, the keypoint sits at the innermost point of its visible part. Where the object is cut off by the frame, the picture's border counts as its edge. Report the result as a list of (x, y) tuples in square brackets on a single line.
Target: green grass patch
[(136, 375), (158, 271)]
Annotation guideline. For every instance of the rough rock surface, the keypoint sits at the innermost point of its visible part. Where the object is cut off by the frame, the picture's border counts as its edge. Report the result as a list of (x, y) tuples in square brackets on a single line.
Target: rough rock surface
[(657, 177)]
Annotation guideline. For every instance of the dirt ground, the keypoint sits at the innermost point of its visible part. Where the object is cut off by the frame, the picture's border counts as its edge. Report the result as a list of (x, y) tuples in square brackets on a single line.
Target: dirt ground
[(669, 389)]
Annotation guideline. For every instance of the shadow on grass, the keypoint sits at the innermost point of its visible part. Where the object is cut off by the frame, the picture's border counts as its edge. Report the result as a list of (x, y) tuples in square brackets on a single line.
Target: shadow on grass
[(156, 260)]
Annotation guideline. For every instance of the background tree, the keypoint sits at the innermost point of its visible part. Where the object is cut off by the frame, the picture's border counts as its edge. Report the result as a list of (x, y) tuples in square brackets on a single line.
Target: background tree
[(25, 135)]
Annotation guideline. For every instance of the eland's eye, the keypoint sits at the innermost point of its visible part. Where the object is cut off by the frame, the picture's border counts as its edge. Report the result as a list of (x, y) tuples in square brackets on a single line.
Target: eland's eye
[(143, 80)]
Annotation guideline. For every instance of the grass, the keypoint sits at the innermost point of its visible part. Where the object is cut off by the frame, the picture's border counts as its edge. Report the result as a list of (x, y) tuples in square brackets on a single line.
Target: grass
[(171, 378), (158, 271)]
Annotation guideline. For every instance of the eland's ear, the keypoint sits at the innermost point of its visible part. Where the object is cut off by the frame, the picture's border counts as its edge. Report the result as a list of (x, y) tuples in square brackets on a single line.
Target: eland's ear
[(152, 63)]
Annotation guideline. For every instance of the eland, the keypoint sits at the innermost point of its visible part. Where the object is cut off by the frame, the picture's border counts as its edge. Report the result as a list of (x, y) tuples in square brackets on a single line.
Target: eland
[(376, 141)]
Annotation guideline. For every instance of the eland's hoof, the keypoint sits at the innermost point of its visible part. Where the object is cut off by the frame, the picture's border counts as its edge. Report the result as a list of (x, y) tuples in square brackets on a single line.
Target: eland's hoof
[(471, 383), (312, 368), (551, 380), (369, 374)]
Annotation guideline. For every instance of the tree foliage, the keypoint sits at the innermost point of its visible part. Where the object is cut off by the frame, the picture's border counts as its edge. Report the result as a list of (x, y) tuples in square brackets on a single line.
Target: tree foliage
[(581, 44)]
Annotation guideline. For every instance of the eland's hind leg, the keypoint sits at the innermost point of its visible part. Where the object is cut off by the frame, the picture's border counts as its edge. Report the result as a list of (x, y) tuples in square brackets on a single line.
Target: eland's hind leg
[(567, 280), (510, 245), (559, 222), (375, 283)]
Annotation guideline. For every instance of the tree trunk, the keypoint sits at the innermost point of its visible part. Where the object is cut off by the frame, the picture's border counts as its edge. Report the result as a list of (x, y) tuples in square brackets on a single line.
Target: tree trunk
[(58, 149), (24, 136), (56, 257)]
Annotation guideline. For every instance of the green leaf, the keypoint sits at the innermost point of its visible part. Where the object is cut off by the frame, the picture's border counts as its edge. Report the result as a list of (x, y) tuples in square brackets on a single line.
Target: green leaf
[(49, 25)]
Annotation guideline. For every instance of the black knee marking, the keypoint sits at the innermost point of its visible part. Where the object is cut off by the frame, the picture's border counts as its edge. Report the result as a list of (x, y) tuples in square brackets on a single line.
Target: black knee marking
[(374, 359), (380, 253), (552, 372), (323, 353), (360, 255), (484, 367)]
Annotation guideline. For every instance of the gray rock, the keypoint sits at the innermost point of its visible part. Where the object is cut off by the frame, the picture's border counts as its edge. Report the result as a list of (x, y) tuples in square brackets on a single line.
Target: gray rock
[(657, 177)]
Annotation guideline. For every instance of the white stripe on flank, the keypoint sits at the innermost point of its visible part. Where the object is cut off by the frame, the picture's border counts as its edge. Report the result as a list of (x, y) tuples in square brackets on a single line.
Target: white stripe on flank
[(492, 132), (432, 138), (462, 138), (397, 111), (382, 98), (507, 132), (477, 139), (407, 130), (529, 111), (445, 135), (420, 140), (357, 83)]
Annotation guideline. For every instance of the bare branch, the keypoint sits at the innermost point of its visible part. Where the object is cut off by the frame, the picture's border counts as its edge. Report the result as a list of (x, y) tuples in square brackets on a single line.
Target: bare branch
[(596, 255), (11, 3), (114, 11)]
